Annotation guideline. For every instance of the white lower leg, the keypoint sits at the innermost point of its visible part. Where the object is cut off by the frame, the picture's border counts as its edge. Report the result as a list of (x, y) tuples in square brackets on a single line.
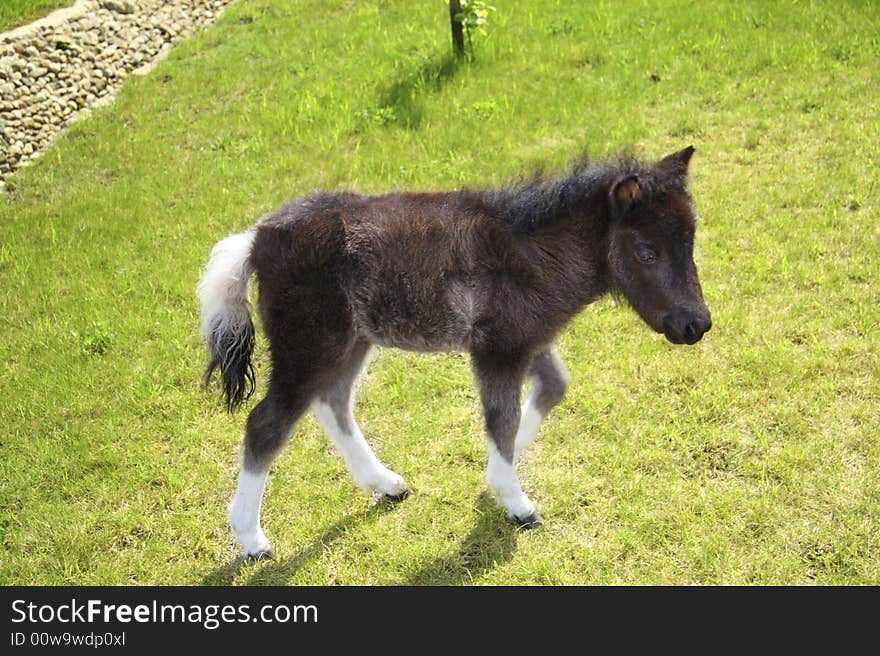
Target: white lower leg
[(504, 482), (529, 423), (244, 512), (368, 473)]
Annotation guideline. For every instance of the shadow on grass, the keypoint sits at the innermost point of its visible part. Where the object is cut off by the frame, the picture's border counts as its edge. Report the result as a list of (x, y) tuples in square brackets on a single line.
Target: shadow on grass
[(404, 98), (279, 572), (225, 574), (489, 544)]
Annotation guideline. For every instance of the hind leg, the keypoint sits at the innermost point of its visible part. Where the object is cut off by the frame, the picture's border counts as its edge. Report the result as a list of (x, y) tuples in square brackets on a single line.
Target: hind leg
[(549, 381), (334, 410), (268, 428)]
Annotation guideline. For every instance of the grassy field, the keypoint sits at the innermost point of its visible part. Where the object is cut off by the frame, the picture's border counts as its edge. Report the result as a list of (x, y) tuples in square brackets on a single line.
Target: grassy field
[(751, 458), (18, 12)]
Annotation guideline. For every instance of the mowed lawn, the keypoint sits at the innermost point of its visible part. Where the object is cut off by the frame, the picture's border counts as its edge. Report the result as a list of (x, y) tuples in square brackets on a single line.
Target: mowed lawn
[(18, 12), (751, 458)]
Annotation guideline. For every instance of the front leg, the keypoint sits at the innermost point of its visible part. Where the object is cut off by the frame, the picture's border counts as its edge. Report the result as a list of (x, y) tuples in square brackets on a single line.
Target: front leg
[(549, 380), (500, 378)]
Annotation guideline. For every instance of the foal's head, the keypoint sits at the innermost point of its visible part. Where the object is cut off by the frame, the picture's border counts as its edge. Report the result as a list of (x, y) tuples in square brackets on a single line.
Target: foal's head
[(651, 249)]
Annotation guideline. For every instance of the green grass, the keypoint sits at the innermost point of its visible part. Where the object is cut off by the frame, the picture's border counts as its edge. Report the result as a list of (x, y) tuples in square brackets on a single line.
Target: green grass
[(18, 12), (750, 458)]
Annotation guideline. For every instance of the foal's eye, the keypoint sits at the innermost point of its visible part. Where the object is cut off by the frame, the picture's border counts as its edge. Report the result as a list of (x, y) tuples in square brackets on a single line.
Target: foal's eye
[(646, 254)]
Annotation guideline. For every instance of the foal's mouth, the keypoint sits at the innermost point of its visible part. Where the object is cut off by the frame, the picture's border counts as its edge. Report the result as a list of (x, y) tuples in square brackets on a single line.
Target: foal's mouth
[(690, 341)]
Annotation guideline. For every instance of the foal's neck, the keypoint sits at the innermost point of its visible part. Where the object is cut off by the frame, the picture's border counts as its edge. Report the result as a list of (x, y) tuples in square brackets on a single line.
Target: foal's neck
[(573, 250)]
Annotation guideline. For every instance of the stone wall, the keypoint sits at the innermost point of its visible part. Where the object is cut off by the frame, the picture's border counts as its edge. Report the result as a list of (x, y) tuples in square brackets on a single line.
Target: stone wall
[(54, 68)]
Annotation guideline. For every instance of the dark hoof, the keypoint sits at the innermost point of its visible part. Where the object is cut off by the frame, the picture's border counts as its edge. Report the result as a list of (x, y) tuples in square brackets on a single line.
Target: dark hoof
[(395, 498), (263, 554), (530, 521)]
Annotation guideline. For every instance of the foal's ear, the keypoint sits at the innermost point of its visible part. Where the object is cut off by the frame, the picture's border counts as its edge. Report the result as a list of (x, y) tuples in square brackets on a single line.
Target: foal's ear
[(678, 162), (626, 191)]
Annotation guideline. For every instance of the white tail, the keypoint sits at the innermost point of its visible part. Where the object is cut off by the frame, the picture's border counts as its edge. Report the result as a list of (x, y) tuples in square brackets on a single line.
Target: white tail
[(226, 324)]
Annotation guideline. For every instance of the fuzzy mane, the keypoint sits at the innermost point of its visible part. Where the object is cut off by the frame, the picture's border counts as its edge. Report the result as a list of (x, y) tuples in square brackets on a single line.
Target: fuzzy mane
[(540, 201)]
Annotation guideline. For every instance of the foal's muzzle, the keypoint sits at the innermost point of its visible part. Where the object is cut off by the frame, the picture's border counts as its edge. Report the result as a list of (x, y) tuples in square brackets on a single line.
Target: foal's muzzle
[(686, 326)]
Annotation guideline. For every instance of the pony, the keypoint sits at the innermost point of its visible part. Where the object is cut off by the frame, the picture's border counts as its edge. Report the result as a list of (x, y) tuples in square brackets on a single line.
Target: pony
[(496, 273)]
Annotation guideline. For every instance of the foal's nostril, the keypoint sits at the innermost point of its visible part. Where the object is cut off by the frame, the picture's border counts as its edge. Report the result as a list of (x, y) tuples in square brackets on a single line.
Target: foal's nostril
[(685, 327), (696, 328)]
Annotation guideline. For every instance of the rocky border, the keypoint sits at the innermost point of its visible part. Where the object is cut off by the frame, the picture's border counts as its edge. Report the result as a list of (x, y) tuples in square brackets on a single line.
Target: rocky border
[(54, 69)]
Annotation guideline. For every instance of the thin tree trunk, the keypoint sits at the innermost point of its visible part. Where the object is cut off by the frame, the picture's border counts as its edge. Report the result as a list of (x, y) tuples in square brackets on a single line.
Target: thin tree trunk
[(457, 31)]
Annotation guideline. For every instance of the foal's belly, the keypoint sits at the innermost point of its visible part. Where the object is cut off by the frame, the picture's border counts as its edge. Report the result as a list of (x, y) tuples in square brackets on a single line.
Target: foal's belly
[(415, 317), (407, 340)]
